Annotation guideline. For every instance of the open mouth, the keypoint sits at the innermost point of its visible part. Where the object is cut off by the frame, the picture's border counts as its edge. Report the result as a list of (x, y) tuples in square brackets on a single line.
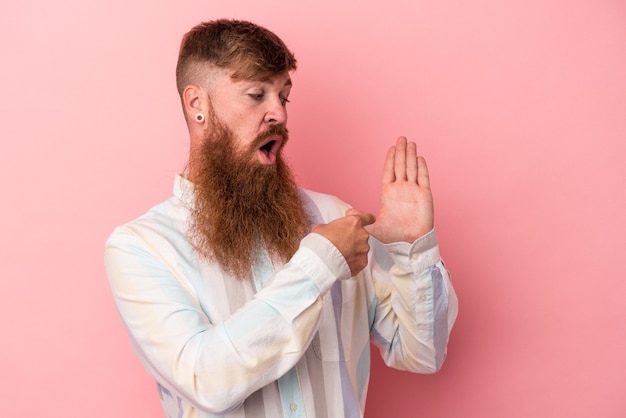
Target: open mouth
[(269, 149)]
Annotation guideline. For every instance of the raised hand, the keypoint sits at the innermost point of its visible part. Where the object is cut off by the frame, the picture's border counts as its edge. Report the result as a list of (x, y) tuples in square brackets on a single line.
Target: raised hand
[(350, 237), (406, 211)]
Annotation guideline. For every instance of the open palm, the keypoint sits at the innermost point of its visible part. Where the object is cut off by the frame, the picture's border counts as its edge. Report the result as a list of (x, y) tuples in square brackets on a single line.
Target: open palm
[(406, 211)]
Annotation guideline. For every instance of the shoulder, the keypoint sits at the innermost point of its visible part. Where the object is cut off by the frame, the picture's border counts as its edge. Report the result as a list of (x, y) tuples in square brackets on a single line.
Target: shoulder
[(165, 222)]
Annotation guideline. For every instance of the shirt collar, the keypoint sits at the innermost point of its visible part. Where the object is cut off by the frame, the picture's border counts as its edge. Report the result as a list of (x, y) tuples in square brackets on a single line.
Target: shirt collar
[(183, 190)]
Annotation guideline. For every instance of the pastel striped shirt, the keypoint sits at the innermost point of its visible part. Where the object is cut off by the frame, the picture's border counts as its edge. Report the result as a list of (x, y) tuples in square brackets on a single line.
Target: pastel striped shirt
[(293, 340)]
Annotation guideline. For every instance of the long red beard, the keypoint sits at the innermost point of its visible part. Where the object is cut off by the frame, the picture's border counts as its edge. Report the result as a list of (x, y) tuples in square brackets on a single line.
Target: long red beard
[(242, 206)]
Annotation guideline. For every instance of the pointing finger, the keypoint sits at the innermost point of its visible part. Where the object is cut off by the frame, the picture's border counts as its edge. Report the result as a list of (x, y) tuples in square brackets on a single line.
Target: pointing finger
[(389, 175), (366, 218)]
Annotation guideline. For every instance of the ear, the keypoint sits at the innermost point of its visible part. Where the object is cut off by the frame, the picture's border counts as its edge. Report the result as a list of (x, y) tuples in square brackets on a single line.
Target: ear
[(194, 98)]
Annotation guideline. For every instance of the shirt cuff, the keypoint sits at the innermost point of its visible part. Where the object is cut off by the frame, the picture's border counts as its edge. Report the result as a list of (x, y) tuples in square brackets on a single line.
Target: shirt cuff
[(416, 256), (321, 261)]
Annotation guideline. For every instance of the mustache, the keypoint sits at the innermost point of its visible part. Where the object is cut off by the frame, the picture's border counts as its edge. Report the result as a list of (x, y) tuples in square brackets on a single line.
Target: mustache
[(273, 130)]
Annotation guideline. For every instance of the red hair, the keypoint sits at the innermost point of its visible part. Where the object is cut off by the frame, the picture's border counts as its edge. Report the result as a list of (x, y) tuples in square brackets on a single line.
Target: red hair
[(250, 51)]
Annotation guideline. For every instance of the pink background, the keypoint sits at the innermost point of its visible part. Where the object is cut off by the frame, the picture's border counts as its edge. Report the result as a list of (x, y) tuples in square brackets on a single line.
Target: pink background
[(519, 107)]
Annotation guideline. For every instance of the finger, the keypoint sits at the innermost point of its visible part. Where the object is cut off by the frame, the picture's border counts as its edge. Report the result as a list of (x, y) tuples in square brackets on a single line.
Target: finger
[(400, 159), (388, 174), (353, 211), (411, 162), (423, 178), (366, 218)]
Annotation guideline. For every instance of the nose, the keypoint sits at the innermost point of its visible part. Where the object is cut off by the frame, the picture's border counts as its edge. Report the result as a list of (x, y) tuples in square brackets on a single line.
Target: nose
[(276, 112)]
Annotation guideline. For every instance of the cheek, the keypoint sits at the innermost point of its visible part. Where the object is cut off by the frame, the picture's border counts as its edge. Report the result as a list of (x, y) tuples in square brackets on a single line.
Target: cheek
[(244, 136), (247, 126), (246, 122)]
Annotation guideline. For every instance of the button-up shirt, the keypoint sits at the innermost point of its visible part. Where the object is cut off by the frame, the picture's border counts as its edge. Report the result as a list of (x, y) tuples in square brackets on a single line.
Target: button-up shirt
[(292, 340)]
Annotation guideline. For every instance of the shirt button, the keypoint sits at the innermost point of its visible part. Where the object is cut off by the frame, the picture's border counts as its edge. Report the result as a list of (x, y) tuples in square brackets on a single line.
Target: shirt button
[(293, 407), (423, 297)]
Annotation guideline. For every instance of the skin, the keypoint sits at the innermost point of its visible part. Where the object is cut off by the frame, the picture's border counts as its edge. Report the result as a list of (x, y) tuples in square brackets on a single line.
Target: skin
[(406, 211), (248, 108)]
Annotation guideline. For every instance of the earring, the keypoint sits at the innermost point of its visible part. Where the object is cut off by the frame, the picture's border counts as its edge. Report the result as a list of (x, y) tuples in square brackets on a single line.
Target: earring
[(199, 117)]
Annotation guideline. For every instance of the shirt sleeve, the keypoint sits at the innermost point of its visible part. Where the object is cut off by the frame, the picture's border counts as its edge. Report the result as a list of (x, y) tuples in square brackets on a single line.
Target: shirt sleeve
[(216, 366), (416, 305)]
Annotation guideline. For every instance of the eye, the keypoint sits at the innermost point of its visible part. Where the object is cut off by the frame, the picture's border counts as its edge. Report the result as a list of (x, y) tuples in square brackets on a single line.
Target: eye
[(256, 96), (284, 101)]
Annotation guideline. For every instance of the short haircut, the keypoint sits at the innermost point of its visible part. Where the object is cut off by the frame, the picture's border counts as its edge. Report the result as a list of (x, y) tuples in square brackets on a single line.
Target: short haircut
[(250, 51)]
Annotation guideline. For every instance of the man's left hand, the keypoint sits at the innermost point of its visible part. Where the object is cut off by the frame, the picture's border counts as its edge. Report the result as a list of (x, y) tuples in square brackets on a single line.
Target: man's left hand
[(406, 211)]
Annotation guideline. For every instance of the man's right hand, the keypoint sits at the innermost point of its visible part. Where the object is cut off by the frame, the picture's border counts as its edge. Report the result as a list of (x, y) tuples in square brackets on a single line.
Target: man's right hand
[(350, 237)]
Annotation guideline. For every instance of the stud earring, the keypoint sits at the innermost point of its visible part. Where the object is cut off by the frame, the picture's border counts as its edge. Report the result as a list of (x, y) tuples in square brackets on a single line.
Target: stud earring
[(199, 117)]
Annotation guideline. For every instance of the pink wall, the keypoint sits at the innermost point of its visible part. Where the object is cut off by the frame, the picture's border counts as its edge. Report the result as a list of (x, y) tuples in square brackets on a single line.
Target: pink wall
[(519, 106)]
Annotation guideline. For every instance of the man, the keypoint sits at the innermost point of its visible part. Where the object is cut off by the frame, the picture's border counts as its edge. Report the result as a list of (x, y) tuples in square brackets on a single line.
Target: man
[(245, 296)]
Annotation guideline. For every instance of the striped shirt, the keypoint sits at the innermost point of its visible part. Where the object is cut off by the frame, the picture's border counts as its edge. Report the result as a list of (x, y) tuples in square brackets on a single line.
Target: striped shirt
[(293, 340)]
